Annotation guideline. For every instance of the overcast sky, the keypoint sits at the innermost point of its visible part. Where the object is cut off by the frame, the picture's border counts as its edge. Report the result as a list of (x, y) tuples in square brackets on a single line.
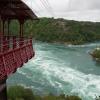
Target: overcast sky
[(85, 10)]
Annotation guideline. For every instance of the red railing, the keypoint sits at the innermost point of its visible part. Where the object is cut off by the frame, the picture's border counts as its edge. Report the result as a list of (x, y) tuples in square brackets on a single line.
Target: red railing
[(14, 52)]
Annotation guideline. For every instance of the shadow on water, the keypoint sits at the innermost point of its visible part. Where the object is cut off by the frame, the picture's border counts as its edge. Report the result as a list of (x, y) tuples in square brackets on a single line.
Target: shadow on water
[(97, 64)]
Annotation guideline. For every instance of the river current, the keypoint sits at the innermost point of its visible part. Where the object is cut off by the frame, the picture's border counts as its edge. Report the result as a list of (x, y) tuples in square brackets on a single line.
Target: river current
[(61, 69)]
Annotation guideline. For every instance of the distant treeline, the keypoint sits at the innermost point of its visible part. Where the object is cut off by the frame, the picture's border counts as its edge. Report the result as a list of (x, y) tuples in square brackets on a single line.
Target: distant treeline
[(60, 30)]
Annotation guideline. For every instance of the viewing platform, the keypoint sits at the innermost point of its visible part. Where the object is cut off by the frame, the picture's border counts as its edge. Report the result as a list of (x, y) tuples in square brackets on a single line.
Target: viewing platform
[(14, 52)]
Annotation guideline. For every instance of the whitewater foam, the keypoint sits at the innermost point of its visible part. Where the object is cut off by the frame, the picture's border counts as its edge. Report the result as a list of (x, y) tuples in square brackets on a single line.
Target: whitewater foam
[(86, 86)]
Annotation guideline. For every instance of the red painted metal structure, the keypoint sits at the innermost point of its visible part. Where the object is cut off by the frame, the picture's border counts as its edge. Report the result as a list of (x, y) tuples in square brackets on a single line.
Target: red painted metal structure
[(14, 53), (14, 50)]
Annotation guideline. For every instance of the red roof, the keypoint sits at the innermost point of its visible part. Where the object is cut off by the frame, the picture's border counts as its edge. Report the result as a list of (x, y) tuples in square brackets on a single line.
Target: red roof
[(15, 9)]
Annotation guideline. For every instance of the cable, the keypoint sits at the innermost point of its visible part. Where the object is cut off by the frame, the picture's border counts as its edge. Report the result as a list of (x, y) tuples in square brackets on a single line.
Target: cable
[(35, 5), (50, 7), (46, 7)]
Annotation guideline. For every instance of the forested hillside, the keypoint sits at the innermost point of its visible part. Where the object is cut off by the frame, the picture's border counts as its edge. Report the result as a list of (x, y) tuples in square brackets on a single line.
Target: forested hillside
[(60, 30)]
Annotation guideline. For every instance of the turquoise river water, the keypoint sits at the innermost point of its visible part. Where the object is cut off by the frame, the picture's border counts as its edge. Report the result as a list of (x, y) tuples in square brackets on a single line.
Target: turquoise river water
[(61, 69)]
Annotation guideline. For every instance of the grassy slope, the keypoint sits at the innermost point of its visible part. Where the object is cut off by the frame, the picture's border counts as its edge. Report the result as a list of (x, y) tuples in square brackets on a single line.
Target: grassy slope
[(21, 93)]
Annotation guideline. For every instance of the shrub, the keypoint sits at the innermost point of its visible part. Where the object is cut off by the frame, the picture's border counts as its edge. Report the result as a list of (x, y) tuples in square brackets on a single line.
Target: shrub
[(21, 93)]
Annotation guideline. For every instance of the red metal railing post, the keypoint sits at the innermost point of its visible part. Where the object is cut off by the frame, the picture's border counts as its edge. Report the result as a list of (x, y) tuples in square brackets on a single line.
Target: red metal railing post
[(14, 42), (5, 43), (13, 54)]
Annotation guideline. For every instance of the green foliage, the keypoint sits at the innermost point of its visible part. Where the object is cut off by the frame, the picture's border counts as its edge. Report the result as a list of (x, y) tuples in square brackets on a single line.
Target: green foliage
[(21, 93), (97, 98), (61, 97), (60, 30), (96, 54), (73, 98)]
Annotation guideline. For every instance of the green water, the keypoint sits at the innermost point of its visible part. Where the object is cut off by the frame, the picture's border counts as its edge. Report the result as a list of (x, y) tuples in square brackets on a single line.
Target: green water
[(59, 69)]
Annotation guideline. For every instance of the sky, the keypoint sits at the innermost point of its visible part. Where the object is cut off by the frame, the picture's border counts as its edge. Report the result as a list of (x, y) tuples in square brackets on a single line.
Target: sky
[(81, 10)]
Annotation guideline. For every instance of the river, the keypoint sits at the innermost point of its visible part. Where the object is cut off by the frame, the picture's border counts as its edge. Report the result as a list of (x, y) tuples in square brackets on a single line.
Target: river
[(61, 69)]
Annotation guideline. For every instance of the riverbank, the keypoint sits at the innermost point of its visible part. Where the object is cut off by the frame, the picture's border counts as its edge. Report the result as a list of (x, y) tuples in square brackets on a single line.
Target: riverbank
[(21, 93)]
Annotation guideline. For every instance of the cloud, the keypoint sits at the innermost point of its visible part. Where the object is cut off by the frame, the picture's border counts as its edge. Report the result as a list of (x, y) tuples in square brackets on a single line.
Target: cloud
[(84, 5), (86, 10), (80, 16)]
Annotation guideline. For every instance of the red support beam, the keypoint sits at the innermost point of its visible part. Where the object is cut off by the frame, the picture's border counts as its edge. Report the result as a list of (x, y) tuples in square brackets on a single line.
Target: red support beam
[(21, 21), (15, 56), (8, 21), (0, 26), (3, 26)]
